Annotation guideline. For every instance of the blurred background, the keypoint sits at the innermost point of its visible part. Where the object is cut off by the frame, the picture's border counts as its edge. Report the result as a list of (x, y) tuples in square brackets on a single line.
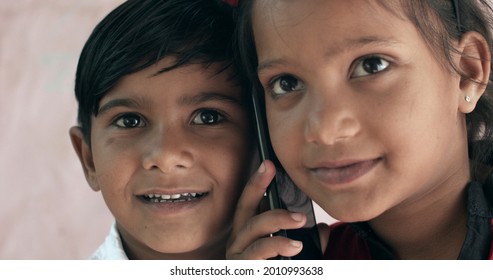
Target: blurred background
[(48, 210)]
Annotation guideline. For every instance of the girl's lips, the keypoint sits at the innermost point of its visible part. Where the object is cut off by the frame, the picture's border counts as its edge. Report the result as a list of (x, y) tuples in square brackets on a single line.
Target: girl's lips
[(342, 173)]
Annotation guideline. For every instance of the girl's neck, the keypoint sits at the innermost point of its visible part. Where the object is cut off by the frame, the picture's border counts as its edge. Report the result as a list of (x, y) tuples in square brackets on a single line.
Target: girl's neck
[(434, 228)]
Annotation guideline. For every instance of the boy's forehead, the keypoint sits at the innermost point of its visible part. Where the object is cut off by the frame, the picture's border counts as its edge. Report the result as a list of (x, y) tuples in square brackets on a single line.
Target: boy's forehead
[(188, 84), (207, 69), (170, 63), (169, 66)]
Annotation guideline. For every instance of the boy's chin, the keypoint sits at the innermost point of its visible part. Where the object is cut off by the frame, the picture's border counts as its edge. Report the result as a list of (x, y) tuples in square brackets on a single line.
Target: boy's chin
[(196, 249)]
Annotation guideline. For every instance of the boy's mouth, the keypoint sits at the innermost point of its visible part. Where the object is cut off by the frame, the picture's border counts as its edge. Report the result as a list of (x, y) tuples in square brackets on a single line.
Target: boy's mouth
[(171, 198)]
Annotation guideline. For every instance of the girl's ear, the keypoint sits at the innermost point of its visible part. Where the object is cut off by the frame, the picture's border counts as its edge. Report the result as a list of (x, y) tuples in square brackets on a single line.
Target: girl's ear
[(85, 156), (474, 65)]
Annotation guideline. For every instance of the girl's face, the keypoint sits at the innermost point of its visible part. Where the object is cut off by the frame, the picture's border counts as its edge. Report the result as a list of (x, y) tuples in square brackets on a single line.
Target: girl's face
[(361, 113), (170, 154)]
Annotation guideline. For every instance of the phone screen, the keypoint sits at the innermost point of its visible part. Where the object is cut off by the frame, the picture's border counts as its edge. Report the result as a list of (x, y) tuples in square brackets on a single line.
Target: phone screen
[(282, 193)]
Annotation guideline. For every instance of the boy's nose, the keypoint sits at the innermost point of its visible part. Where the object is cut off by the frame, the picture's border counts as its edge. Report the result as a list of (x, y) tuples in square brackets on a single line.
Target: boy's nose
[(167, 151), (330, 119)]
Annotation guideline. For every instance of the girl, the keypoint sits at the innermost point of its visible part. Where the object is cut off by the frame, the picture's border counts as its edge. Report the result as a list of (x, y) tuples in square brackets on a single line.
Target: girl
[(381, 112)]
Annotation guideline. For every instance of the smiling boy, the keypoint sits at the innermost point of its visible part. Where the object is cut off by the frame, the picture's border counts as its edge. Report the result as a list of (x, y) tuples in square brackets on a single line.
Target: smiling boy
[(164, 131)]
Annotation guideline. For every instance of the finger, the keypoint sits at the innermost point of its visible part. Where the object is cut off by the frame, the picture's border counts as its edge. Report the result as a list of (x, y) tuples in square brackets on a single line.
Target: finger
[(253, 194), (268, 223), (263, 225), (271, 247)]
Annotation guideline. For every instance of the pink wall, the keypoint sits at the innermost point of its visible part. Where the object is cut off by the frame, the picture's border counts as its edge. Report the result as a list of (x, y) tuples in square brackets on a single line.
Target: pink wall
[(48, 210)]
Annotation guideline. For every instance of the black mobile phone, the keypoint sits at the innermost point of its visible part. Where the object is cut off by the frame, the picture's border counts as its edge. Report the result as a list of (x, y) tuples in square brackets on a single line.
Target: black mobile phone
[(282, 193)]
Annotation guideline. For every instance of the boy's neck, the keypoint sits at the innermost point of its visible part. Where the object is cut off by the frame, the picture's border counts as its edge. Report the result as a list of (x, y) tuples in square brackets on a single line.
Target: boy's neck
[(199, 254), (135, 250), (436, 229), (215, 253)]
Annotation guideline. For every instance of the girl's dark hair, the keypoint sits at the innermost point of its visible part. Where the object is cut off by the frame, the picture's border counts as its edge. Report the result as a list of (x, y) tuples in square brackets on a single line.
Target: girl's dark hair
[(139, 33), (438, 24)]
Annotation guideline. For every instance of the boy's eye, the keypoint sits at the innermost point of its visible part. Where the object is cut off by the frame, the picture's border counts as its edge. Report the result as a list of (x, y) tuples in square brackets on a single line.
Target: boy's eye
[(285, 84), (370, 65), (207, 116), (129, 121)]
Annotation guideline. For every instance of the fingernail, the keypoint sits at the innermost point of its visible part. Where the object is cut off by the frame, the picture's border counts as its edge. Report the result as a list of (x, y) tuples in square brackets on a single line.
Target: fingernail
[(296, 244), (261, 168), (296, 216)]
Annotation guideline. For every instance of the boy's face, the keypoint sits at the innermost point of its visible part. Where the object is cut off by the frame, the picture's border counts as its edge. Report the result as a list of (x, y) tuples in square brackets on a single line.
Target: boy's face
[(170, 153), (374, 120)]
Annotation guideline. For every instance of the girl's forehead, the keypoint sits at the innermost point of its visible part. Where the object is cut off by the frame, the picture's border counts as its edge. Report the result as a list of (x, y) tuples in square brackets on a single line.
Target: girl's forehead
[(293, 11), (289, 33), (328, 18)]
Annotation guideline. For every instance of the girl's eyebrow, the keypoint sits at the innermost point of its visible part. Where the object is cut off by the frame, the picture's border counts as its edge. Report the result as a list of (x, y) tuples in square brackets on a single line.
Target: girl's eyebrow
[(269, 63), (359, 43), (336, 49)]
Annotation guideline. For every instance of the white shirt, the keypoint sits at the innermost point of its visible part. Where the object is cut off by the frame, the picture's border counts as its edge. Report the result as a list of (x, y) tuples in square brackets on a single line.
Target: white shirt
[(112, 248)]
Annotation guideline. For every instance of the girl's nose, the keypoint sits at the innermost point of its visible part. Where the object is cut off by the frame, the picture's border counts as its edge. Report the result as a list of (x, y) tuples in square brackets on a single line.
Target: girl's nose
[(331, 119), (167, 151)]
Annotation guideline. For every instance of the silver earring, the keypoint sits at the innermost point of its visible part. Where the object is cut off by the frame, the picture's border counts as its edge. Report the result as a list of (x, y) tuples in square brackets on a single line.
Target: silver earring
[(468, 99)]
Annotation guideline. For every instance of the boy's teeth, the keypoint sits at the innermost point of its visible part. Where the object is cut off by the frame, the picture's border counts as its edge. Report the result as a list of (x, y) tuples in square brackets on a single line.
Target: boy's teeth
[(171, 197)]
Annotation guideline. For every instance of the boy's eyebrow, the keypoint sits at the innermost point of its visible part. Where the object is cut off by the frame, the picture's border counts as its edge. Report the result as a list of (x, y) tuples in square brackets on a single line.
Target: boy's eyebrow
[(119, 102), (183, 101), (207, 96), (344, 46)]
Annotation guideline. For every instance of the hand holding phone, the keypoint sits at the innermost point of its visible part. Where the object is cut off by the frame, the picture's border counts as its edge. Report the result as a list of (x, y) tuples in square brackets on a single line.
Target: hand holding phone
[(256, 235), (282, 193), (250, 234)]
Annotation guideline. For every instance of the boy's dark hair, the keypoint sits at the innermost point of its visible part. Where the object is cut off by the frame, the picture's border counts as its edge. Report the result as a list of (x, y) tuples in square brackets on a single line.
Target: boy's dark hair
[(437, 22), (139, 33)]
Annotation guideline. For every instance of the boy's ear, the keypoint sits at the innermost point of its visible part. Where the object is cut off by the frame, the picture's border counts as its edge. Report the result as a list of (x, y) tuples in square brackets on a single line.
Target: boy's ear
[(85, 156), (475, 66)]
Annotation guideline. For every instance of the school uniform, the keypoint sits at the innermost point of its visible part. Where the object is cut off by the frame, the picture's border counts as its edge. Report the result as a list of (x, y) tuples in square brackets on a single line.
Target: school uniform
[(112, 248), (351, 241)]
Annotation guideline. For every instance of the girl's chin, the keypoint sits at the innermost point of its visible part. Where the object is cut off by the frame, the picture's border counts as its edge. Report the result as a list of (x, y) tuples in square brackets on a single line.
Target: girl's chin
[(351, 214)]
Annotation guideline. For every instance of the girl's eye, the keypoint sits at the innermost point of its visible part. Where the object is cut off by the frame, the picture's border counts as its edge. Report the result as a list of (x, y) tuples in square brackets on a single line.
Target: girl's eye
[(369, 66), (285, 84), (129, 121), (208, 116)]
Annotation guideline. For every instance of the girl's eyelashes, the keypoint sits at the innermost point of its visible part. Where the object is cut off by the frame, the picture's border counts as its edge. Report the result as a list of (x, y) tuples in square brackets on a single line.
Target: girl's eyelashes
[(207, 117), (284, 84), (129, 120), (369, 65), (365, 66)]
